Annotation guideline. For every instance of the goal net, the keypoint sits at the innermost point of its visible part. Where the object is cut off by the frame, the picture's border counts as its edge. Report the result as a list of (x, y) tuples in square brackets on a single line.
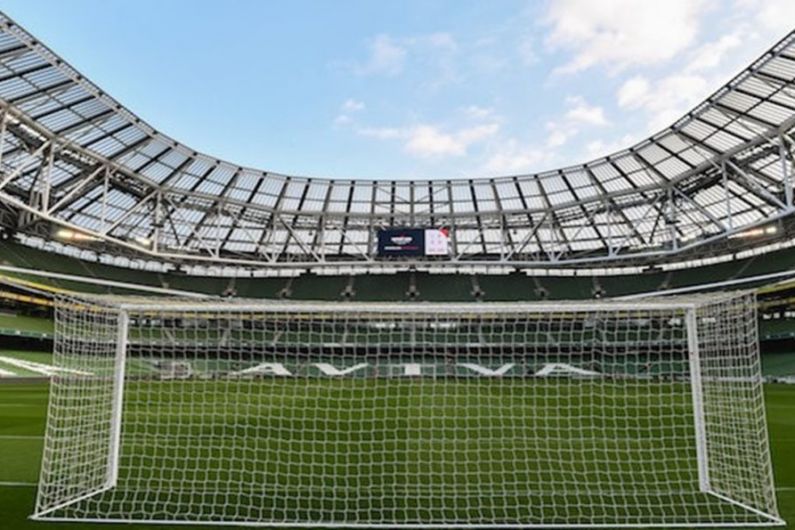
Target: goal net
[(609, 413)]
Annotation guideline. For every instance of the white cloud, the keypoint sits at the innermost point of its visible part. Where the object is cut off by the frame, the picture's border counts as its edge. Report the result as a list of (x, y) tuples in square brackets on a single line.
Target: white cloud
[(427, 141), (666, 99), (622, 33), (471, 135), (477, 112), (430, 141), (774, 17), (386, 57), (511, 157), (382, 133), (581, 112), (352, 105), (559, 134), (633, 92), (711, 54), (348, 107), (600, 148), (705, 66), (343, 119)]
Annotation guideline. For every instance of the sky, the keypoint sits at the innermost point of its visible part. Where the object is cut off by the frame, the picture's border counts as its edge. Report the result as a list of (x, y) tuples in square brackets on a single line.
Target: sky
[(407, 89)]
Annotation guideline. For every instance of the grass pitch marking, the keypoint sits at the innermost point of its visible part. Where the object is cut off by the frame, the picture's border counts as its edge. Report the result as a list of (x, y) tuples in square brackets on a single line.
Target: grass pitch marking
[(39, 368)]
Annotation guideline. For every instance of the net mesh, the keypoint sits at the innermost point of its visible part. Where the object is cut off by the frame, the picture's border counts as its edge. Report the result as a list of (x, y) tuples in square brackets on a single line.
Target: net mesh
[(353, 414)]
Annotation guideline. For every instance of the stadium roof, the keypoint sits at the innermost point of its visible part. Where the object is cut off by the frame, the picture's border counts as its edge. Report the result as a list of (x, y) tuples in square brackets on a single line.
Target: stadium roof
[(73, 157)]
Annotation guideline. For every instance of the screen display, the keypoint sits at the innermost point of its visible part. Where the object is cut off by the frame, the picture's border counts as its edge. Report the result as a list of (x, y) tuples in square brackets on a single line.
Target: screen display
[(401, 242), (437, 242), (413, 242)]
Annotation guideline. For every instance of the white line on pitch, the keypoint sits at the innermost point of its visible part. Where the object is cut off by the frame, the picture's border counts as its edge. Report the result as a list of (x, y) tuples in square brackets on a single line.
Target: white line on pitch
[(20, 437)]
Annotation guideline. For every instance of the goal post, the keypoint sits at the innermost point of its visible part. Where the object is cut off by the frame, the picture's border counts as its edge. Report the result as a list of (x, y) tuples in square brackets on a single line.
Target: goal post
[(276, 413), (117, 396), (697, 392)]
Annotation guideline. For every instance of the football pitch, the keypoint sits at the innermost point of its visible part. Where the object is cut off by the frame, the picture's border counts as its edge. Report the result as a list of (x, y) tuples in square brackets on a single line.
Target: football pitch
[(23, 414)]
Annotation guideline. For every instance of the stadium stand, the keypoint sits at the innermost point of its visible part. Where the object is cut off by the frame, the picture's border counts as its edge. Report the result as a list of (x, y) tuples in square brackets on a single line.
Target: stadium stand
[(403, 285)]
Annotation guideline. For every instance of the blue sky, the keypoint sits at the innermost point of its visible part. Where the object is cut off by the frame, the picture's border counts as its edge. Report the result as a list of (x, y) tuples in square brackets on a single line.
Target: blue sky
[(407, 89)]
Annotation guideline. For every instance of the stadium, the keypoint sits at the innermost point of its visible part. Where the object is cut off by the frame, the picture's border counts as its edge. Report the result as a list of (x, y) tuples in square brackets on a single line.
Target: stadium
[(184, 340)]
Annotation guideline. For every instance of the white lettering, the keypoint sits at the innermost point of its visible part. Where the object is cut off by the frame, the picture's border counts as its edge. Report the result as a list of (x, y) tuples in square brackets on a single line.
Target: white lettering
[(267, 369), (412, 369), (564, 369), (328, 369), (482, 370)]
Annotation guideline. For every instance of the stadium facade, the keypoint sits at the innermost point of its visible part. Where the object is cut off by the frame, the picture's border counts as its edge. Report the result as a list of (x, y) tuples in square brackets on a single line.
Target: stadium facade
[(77, 166)]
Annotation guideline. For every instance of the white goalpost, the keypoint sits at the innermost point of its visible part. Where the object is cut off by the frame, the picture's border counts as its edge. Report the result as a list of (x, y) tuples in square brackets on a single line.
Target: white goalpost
[(273, 413)]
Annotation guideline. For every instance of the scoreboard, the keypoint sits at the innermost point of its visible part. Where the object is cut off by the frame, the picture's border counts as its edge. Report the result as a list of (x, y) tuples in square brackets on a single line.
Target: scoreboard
[(413, 242)]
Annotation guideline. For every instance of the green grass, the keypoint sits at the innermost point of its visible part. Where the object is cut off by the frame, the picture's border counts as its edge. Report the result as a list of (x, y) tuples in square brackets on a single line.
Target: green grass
[(305, 422), (24, 325), (36, 357)]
